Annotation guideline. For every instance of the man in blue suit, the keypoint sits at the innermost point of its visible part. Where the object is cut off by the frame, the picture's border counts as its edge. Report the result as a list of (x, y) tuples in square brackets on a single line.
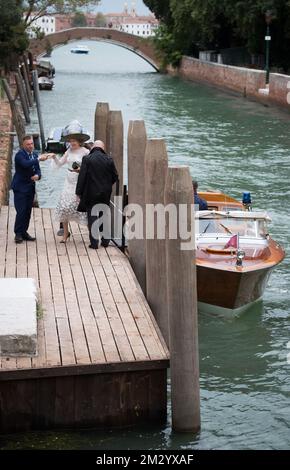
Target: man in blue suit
[(198, 201), (27, 172)]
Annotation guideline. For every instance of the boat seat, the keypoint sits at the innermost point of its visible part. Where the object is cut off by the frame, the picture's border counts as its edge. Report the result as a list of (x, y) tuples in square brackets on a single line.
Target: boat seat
[(218, 250)]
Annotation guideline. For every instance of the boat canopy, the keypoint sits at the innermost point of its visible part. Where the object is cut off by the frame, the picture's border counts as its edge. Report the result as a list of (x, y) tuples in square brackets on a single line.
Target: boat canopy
[(248, 215)]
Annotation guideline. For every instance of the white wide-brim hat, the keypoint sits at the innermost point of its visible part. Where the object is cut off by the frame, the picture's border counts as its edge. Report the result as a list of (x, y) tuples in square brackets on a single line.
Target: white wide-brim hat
[(81, 137)]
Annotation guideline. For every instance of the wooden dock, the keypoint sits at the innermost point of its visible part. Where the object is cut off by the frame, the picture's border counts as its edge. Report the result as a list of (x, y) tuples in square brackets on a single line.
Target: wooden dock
[(101, 358)]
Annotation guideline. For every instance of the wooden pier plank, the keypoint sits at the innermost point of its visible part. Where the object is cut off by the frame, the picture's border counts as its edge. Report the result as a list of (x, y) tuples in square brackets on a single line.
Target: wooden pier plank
[(49, 351), (60, 309), (146, 308), (107, 340), (141, 312), (92, 313), (33, 266), (4, 219), (119, 333), (9, 270), (78, 295), (3, 237), (130, 326), (22, 261)]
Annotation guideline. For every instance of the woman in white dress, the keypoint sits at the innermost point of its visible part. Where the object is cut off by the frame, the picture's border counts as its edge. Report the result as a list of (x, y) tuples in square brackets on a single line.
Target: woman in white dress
[(66, 209)]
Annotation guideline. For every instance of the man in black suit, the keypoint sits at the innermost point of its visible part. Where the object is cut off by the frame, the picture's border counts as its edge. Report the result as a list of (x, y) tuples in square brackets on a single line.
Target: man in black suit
[(96, 178), (27, 172)]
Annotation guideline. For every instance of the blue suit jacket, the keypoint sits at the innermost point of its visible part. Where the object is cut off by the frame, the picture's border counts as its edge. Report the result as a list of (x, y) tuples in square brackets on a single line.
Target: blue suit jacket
[(200, 202), (25, 168)]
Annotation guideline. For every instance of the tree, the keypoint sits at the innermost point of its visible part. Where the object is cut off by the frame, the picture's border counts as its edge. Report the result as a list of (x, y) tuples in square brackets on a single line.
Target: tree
[(79, 19), (35, 9), (37, 33), (100, 21), (13, 38), (161, 9), (193, 25)]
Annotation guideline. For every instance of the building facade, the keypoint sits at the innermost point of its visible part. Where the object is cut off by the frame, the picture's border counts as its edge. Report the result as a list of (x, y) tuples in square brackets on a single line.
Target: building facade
[(127, 21), (130, 22), (46, 25), (144, 26)]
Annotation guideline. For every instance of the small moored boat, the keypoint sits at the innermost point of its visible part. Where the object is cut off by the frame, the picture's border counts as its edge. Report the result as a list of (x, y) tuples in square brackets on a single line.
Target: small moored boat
[(80, 50), (45, 68), (54, 143), (45, 83), (58, 136), (235, 255)]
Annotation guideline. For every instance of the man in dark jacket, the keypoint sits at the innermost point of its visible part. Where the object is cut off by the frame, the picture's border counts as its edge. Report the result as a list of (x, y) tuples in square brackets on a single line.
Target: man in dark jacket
[(27, 172), (96, 178)]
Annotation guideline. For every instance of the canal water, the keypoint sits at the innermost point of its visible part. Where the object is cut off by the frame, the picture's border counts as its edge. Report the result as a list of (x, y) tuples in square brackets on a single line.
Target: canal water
[(230, 144)]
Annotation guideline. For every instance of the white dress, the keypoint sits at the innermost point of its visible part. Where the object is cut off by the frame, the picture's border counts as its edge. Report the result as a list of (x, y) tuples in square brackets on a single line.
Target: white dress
[(66, 209)]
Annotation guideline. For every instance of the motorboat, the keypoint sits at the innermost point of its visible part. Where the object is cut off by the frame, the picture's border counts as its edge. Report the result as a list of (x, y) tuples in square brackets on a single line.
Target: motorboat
[(54, 142), (45, 83), (58, 138), (235, 254), (81, 49), (45, 68)]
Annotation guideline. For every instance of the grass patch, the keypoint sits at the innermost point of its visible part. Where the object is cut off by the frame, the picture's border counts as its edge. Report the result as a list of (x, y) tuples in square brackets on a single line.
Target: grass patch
[(39, 311)]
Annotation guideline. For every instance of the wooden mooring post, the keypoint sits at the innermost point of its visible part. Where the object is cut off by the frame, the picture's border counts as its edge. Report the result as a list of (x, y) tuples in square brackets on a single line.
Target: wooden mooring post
[(182, 307), (22, 97), (38, 106), (25, 69), (137, 139), (101, 122), (115, 144), (17, 118), (156, 164), (24, 90)]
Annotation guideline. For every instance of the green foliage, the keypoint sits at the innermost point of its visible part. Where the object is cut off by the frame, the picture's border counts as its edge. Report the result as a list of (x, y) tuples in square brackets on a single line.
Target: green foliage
[(37, 32), (35, 9), (165, 44), (79, 19), (39, 311), (161, 9), (192, 25), (13, 38), (100, 21)]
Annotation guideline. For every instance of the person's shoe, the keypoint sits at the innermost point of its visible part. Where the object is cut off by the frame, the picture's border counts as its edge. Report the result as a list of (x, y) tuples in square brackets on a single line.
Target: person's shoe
[(94, 246), (28, 238), (105, 243), (60, 232), (65, 240), (18, 239)]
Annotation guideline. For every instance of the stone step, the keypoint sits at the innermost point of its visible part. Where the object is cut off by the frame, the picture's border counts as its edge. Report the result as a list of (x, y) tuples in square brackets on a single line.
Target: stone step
[(18, 317)]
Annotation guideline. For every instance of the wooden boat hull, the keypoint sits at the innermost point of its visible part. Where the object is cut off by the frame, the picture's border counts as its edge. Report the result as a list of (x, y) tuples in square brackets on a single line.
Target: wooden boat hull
[(45, 83), (222, 286), (229, 290)]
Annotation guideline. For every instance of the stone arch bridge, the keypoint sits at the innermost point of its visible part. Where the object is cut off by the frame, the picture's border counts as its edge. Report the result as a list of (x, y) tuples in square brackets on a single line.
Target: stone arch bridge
[(143, 47)]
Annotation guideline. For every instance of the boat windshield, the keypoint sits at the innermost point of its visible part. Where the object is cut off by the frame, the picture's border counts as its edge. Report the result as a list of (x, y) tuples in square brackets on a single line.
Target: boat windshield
[(231, 226)]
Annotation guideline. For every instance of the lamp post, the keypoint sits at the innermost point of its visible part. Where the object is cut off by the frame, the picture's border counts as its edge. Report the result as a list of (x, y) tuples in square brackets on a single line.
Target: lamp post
[(268, 19)]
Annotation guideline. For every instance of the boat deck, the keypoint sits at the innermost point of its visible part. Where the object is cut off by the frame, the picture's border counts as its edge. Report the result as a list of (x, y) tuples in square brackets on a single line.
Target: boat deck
[(93, 316)]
